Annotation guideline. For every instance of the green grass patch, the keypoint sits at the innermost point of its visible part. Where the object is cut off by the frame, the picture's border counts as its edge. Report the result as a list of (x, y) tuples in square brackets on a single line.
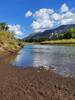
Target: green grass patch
[(63, 41)]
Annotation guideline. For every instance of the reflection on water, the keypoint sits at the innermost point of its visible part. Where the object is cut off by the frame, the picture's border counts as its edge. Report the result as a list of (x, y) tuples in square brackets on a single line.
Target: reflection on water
[(6, 59), (61, 58)]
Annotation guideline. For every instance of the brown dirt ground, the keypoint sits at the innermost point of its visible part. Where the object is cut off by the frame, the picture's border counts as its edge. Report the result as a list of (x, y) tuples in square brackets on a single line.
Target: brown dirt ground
[(34, 84)]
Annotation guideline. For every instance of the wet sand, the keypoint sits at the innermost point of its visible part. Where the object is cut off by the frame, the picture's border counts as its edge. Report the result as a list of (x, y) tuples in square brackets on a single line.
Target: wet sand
[(34, 84)]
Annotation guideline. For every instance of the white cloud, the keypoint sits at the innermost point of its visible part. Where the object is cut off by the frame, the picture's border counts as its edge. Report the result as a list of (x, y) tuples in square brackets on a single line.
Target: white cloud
[(44, 18), (64, 8), (43, 12), (68, 15), (36, 25), (28, 14), (68, 21), (16, 29), (67, 18), (56, 16)]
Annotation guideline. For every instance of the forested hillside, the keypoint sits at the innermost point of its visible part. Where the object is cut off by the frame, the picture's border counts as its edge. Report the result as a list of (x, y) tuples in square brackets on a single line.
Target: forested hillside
[(61, 32)]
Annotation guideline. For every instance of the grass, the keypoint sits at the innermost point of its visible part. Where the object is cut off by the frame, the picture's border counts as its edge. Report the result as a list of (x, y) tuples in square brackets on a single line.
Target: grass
[(8, 41), (64, 41)]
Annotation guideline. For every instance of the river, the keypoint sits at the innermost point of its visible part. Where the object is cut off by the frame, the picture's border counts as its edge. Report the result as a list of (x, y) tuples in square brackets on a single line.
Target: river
[(59, 58)]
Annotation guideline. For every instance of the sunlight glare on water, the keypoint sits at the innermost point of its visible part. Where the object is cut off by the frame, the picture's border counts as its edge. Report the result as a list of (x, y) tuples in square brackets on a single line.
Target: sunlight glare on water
[(61, 58)]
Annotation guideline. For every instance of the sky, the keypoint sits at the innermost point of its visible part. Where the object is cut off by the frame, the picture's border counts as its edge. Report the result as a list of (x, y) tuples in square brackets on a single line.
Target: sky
[(30, 16)]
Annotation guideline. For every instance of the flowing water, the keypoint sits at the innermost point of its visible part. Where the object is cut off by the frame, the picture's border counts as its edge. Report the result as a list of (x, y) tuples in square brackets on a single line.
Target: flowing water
[(59, 58)]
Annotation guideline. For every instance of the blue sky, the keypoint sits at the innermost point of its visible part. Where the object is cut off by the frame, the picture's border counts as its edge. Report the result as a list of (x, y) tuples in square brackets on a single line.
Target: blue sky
[(14, 12)]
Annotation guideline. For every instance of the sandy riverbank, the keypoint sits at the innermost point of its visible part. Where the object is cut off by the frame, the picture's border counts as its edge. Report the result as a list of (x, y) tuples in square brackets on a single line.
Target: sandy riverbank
[(34, 84)]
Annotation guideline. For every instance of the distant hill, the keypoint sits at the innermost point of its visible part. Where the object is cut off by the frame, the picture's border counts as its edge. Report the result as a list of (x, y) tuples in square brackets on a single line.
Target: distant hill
[(47, 34)]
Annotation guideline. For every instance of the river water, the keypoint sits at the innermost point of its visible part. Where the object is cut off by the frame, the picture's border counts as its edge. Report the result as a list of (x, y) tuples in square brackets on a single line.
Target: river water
[(58, 58)]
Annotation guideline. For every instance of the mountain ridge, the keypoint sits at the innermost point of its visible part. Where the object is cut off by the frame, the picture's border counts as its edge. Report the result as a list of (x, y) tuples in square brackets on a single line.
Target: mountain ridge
[(46, 34)]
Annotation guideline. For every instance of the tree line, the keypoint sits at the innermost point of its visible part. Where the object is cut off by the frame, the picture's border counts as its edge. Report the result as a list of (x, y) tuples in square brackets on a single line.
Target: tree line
[(70, 33)]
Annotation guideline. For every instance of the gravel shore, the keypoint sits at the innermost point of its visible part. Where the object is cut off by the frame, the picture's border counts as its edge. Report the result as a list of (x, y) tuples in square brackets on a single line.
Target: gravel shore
[(34, 84)]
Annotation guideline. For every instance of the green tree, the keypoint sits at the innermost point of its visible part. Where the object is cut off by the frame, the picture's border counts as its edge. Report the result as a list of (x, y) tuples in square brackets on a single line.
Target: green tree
[(60, 36), (70, 33), (3, 26), (72, 30)]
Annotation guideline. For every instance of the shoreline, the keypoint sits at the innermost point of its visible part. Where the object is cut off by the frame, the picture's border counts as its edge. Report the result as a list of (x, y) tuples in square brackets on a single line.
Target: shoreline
[(34, 84), (60, 42)]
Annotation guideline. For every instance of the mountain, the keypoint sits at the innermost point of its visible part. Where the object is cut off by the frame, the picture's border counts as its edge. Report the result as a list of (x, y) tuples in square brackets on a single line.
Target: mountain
[(47, 33)]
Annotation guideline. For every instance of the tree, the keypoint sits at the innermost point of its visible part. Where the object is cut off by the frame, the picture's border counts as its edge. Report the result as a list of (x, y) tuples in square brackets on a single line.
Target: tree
[(70, 33), (72, 30), (3, 26), (60, 36), (54, 36)]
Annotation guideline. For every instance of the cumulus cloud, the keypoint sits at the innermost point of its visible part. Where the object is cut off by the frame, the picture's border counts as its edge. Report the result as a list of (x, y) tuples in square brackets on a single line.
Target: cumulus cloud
[(56, 17), (28, 14), (67, 18), (44, 18), (64, 8), (16, 29), (43, 12)]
